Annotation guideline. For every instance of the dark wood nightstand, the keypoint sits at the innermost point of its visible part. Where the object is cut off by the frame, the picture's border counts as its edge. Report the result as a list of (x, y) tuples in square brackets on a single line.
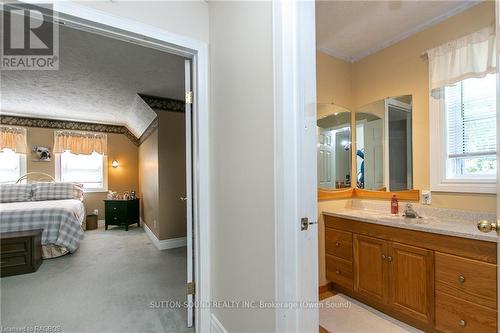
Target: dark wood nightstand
[(121, 213), (20, 252)]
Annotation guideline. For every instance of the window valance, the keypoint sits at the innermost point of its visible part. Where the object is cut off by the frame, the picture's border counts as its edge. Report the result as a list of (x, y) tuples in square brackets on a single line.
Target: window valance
[(470, 56), (80, 143), (13, 138)]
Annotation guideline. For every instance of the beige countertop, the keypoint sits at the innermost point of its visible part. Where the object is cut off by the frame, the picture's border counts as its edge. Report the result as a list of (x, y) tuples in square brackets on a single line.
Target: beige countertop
[(451, 226)]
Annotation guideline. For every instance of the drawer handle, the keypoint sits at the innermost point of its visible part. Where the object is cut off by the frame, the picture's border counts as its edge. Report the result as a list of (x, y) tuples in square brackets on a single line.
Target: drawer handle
[(337, 244), (116, 218), (337, 271), (389, 258), (461, 279), (383, 257), (462, 323), (114, 208)]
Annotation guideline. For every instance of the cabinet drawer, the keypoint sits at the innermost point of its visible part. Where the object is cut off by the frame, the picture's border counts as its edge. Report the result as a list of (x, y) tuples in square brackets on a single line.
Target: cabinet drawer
[(338, 243), (339, 271), (457, 315), (14, 260), (468, 279), (15, 245)]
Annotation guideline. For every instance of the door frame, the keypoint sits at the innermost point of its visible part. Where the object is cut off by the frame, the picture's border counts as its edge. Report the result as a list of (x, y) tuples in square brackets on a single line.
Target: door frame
[(295, 165), (196, 50)]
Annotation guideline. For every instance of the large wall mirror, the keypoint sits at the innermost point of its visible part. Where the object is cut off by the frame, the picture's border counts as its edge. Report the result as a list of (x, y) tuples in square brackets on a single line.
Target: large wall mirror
[(384, 145), (334, 146)]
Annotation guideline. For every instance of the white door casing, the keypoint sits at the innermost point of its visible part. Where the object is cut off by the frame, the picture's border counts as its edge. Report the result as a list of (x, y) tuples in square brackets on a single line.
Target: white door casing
[(296, 251), (189, 192), (497, 29)]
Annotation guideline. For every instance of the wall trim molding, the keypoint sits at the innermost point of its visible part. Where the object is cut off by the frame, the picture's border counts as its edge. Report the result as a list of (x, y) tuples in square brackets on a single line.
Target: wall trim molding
[(67, 125), (163, 103), (215, 325), (164, 244)]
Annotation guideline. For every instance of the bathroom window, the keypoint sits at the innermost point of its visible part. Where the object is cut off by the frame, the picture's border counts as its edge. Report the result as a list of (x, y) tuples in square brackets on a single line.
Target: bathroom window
[(468, 127)]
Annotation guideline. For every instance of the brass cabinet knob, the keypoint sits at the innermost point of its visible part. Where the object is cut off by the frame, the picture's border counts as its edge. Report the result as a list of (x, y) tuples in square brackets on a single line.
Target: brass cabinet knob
[(462, 323), (461, 279), (337, 244), (383, 257), (389, 258)]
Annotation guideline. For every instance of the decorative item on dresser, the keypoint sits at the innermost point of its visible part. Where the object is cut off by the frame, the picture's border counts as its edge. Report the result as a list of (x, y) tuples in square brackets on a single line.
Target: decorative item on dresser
[(121, 213), (21, 252), (437, 283)]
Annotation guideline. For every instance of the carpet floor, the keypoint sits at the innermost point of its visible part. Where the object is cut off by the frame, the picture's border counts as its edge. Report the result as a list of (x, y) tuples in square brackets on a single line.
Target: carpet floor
[(116, 282)]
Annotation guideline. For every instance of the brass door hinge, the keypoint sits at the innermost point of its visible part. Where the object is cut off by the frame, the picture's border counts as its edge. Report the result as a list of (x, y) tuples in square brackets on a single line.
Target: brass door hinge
[(190, 288), (189, 97)]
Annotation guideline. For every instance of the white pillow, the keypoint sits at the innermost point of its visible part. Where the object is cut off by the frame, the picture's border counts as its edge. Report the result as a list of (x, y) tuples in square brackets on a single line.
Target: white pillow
[(57, 191)]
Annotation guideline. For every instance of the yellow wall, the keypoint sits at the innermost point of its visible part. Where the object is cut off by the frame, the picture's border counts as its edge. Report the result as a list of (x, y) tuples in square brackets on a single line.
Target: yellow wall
[(123, 178), (333, 81)]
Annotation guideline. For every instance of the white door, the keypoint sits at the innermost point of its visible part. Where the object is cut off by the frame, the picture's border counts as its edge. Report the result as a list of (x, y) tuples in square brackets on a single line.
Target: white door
[(374, 154), (497, 11), (326, 173), (189, 197)]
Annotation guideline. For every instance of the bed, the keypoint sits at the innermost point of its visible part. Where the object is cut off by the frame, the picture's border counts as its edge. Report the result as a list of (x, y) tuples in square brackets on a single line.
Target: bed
[(56, 208)]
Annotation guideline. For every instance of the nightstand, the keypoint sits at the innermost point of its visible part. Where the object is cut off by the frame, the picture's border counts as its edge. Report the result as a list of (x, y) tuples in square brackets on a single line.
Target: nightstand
[(121, 213)]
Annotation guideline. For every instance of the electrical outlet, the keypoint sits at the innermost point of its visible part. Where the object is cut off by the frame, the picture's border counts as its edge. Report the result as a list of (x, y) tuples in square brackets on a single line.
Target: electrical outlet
[(96, 211), (426, 197)]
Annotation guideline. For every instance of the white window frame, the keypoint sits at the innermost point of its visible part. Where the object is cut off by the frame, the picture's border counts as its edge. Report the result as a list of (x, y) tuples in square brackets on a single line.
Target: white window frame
[(87, 190), (22, 168), (438, 156)]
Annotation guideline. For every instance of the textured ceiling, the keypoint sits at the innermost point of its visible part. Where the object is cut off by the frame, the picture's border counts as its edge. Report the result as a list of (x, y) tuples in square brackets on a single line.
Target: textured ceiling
[(351, 30), (98, 81)]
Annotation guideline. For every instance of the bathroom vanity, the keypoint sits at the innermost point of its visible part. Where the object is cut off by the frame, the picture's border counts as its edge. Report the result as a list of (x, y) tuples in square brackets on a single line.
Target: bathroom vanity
[(433, 274)]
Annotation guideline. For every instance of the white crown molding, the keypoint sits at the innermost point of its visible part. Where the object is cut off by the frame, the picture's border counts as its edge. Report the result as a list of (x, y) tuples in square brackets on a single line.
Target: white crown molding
[(215, 325), (164, 244), (336, 54), (394, 40)]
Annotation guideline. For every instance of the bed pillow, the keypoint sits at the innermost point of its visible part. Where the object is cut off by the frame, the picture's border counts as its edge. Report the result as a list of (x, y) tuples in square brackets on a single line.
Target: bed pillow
[(15, 192), (57, 191)]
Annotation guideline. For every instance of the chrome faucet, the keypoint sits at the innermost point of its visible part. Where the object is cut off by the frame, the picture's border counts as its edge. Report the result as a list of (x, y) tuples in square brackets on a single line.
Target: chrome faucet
[(410, 212)]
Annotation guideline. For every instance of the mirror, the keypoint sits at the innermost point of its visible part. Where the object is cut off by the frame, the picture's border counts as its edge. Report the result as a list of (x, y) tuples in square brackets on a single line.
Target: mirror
[(334, 146), (384, 145)]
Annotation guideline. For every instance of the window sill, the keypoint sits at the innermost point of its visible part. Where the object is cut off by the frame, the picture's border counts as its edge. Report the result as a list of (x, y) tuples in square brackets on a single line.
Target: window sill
[(95, 190), (466, 186)]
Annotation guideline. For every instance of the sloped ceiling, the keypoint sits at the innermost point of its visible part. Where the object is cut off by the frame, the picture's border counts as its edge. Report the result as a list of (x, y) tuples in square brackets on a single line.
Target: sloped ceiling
[(98, 80), (351, 30)]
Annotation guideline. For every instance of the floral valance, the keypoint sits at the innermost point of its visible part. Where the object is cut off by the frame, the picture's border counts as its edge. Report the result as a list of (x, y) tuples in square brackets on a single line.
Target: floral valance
[(80, 143), (470, 56), (13, 138)]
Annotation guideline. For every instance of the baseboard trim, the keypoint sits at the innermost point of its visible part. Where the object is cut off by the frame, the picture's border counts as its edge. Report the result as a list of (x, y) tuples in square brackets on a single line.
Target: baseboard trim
[(324, 288), (164, 244), (215, 325)]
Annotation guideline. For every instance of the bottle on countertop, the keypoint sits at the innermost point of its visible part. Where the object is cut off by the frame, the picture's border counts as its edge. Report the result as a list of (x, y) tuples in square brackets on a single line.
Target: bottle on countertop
[(394, 205)]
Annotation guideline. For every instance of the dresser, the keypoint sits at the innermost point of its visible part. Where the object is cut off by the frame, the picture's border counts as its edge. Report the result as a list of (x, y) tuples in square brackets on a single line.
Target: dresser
[(121, 213), (21, 252)]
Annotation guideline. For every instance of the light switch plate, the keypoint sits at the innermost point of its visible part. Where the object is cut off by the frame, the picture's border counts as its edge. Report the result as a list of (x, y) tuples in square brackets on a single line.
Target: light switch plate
[(426, 197)]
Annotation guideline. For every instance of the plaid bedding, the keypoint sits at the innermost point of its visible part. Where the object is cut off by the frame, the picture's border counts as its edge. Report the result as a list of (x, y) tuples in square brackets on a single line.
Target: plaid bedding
[(60, 220)]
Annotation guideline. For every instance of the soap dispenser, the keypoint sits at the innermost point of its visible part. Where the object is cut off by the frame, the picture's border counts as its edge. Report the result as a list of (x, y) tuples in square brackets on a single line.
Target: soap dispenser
[(394, 205)]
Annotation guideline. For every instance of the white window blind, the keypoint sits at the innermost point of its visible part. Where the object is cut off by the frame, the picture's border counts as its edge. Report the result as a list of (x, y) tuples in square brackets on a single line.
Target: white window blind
[(12, 166), (470, 107), (85, 169)]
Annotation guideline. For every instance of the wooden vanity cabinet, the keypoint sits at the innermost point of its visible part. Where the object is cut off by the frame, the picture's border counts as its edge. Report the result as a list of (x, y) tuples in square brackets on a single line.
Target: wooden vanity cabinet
[(436, 283)]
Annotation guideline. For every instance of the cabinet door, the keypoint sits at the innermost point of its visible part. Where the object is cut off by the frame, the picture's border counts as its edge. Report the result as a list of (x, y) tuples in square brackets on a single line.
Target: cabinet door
[(370, 273), (411, 281)]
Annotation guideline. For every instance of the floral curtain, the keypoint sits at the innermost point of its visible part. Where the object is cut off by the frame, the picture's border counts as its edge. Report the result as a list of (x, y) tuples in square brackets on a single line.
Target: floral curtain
[(13, 138), (471, 56), (80, 143)]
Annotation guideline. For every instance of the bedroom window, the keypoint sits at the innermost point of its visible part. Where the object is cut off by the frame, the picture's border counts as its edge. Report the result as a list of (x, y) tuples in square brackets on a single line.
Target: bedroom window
[(81, 157), (12, 166), (85, 169)]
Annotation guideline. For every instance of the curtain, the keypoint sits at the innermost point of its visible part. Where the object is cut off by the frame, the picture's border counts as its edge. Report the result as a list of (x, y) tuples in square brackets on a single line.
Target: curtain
[(13, 138), (470, 56), (80, 143)]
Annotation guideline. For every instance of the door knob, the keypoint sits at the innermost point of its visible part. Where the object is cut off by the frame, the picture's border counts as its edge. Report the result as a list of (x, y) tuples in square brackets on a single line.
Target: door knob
[(183, 198), (487, 226)]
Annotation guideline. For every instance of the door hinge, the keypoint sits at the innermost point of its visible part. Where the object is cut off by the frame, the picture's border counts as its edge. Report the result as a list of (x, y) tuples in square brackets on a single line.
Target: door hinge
[(190, 288), (189, 97)]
